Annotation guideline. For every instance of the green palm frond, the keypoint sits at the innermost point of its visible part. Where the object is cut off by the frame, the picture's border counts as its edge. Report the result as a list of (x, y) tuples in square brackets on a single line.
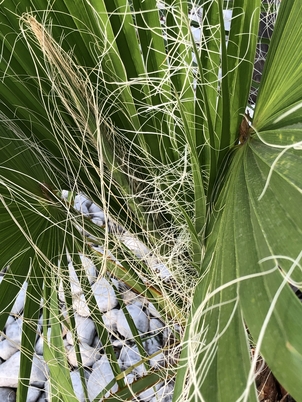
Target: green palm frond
[(118, 101)]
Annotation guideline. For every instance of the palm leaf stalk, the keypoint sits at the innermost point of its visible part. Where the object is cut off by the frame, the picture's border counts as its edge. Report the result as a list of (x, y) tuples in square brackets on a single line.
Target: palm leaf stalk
[(118, 101)]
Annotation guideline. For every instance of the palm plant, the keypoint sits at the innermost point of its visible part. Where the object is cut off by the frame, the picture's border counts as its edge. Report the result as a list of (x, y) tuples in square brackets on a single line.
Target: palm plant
[(100, 98)]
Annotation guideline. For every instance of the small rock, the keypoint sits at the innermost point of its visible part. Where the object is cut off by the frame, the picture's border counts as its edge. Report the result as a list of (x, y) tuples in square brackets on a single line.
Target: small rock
[(89, 268), (98, 221), (130, 356), (7, 395), (33, 394), (164, 394), (85, 330), (7, 350), (74, 281), (80, 306), (19, 303), (100, 377), (155, 325), (139, 317), (110, 319), (96, 344), (162, 271), (14, 333), (89, 355), (135, 245), (104, 295), (152, 346), (9, 321), (77, 385), (148, 394), (82, 204), (153, 311), (95, 210), (40, 342), (130, 297), (39, 346), (42, 398), (9, 372)]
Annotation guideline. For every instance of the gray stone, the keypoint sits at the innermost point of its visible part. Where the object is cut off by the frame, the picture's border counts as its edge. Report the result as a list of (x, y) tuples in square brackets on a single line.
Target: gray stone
[(135, 245), (164, 393), (80, 306), (7, 395), (77, 385), (153, 311), (110, 319), (39, 346), (147, 395), (153, 347), (130, 356), (96, 211), (82, 204), (104, 295), (7, 350), (100, 378), (155, 324), (139, 318), (19, 303), (89, 268), (9, 372), (85, 330), (9, 320), (42, 398), (89, 355), (14, 333), (96, 344), (33, 394)]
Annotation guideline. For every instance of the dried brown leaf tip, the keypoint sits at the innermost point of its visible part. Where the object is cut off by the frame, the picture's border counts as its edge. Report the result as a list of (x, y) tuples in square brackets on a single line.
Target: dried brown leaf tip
[(244, 129)]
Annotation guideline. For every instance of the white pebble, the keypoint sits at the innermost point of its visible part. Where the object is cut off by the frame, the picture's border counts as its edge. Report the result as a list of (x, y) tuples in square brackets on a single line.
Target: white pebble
[(39, 346), (96, 210), (14, 333), (80, 306), (110, 319), (104, 295), (82, 204), (89, 268), (97, 221), (9, 372), (19, 303), (85, 329), (130, 356), (161, 270), (164, 394), (148, 394), (7, 395), (100, 378), (130, 297), (74, 281), (135, 245), (7, 350), (153, 346), (33, 394), (77, 385), (155, 324), (96, 343), (89, 355), (153, 311), (42, 397), (139, 317), (9, 320)]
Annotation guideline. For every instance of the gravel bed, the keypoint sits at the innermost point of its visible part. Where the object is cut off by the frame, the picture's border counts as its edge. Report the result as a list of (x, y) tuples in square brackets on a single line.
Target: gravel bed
[(154, 334)]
